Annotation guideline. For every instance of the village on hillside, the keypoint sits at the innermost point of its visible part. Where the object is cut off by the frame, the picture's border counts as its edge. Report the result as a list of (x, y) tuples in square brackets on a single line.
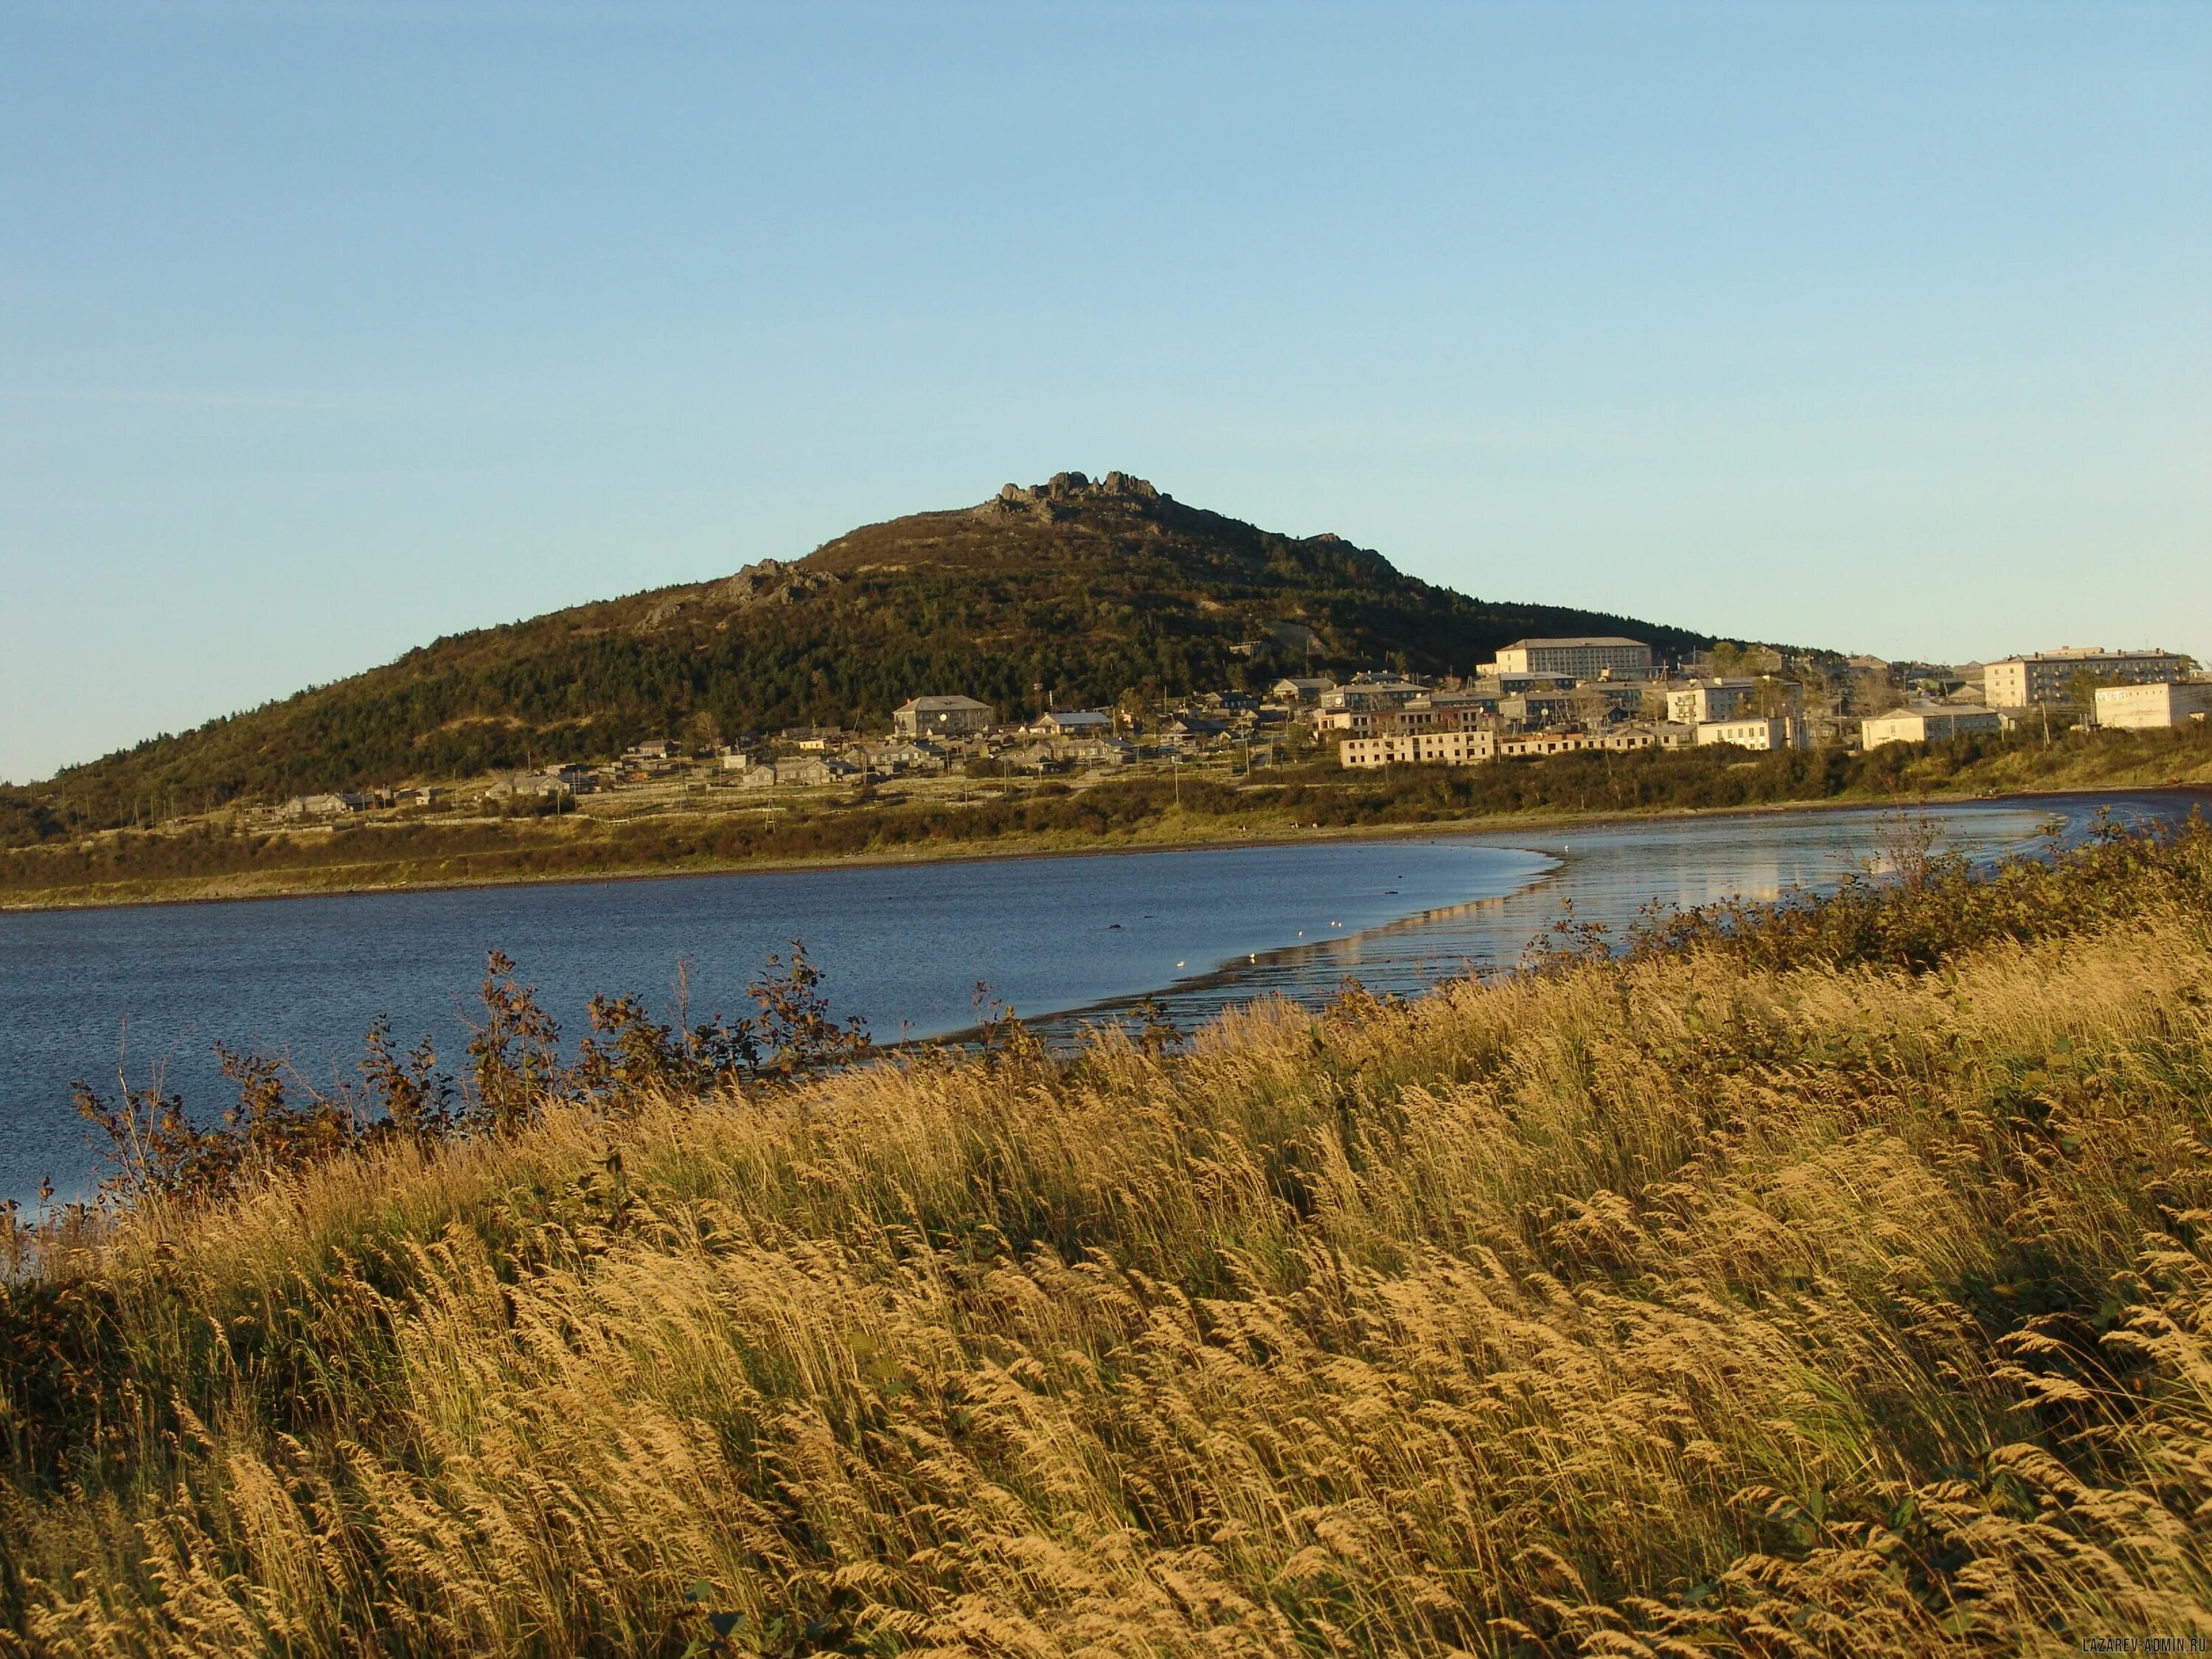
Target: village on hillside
[(1539, 698)]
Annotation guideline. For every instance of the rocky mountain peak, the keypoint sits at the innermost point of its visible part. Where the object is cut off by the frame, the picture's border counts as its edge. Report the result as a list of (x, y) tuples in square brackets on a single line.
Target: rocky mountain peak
[(1066, 491)]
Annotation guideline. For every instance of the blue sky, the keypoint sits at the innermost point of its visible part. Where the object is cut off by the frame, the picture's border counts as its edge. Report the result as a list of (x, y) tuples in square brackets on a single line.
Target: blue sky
[(328, 329)]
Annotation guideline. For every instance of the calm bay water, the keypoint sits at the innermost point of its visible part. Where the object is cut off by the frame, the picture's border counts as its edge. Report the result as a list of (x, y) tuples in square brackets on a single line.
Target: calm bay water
[(1061, 940)]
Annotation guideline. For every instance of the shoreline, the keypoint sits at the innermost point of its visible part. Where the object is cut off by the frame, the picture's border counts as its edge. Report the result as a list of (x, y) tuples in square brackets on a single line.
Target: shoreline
[(1013, 848)]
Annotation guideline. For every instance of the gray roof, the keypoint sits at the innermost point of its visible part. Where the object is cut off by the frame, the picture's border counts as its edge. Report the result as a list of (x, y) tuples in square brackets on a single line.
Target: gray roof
[(1593, 639), (939, 705)]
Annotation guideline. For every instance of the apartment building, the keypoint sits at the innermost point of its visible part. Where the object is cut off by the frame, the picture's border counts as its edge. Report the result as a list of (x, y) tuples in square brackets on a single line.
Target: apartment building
[(1444, 712), (1365, 693), (1456, 748), (1704, 701), (1594, 657), (1538, 708), (1473, 744), (1569, 742), (943, 717), (2045, 677)]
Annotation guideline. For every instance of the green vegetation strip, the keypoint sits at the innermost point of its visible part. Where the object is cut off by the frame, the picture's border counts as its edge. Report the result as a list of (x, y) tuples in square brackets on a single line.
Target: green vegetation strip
[(1148, 809)]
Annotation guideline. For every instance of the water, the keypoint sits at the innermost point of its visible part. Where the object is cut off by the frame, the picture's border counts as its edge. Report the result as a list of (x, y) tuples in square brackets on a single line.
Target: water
[(1062, 940)]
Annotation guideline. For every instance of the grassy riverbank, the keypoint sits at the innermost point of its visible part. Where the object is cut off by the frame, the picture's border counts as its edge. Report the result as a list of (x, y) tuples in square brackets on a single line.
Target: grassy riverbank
[(1836, 1281), (219, 859)]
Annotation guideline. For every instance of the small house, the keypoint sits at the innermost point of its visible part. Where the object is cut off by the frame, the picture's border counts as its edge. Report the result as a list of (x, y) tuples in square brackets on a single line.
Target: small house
[(1066, 723)]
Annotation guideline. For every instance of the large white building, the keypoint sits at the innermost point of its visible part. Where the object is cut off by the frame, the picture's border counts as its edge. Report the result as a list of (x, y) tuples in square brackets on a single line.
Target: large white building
[(1594, 657), (1925, 725), (2167, 704), (2044, 675), (1761, 734)]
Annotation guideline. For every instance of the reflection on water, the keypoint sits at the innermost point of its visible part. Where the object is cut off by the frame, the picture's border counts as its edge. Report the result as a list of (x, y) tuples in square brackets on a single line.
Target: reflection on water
[(1610, 876)]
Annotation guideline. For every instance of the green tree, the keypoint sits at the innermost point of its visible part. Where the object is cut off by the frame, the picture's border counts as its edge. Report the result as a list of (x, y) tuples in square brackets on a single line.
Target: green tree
[(2082, 686)]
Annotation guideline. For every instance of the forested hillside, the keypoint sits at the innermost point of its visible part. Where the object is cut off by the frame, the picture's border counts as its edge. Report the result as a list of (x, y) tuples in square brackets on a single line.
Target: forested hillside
[(1073, 593)]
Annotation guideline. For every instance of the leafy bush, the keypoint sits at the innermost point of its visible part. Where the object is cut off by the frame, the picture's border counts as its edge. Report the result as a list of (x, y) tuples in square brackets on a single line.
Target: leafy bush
[(516, 1073)]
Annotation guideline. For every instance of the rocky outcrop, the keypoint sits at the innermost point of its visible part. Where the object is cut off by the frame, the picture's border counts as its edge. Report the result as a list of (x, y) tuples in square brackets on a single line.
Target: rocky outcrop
[(770, 582), (773, 582), (1064, 493)]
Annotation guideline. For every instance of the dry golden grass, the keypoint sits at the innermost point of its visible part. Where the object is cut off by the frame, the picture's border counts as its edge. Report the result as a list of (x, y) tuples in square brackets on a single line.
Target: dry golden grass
[(1672, 1308)]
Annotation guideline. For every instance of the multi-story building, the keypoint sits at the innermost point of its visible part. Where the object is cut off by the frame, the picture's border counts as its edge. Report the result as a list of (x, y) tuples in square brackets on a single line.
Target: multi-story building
[(1764, 733), (1611, 700), (2166, 703), (1474, 746), (2046, 676), (1341, 723), (1466, 704), (1538, 708), (943, 717), (1365, 691), (1491, 685), (1702, 701), (1925, 725), (1595, 657), (1455, 748), (1568, 743), (1446, 711)]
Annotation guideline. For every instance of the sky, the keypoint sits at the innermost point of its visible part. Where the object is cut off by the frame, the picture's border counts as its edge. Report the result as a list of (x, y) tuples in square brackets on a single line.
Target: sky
[(329, 329)]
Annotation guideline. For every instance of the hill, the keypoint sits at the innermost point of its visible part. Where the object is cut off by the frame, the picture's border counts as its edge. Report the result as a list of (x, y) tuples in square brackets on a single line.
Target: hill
[(1073, 592)]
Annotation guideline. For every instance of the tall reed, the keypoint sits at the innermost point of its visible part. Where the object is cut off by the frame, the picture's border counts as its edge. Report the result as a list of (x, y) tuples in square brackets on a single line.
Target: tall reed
[(1713, 1300)]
